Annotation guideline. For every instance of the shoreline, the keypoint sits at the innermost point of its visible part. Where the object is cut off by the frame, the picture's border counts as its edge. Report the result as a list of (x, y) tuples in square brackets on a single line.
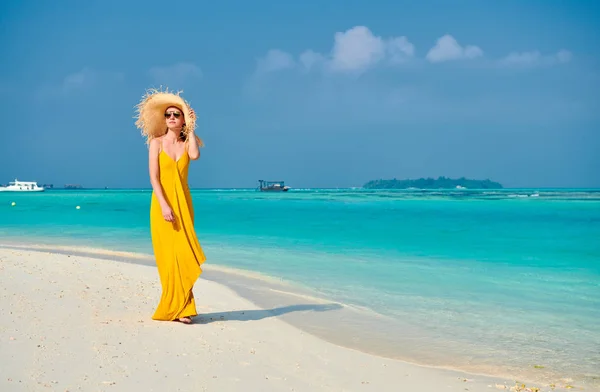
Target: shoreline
[(284, 304), (90, 328)]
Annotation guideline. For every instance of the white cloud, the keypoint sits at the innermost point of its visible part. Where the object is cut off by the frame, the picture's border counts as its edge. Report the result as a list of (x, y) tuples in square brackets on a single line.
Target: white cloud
[(357, 50), (78, 80), (354, 51), (525, 58), (176, 74), (399, 49), (310, 58), (535, 58), (275, 60), (447, 49), (83, 80), (564, 56)]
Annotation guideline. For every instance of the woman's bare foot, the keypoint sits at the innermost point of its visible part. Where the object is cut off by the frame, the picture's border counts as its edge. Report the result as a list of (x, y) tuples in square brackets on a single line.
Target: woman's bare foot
[(185, 320)]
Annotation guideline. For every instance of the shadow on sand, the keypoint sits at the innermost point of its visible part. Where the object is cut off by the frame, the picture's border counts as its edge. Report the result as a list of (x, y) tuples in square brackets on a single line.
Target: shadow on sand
[(259, 314)]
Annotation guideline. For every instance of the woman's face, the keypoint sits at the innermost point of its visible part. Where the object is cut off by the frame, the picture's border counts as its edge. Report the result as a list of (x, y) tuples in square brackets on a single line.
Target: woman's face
[(174, 118)]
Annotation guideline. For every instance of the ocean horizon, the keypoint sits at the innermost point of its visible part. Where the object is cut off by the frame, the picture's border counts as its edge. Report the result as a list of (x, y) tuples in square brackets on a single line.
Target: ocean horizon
[(492, 281)]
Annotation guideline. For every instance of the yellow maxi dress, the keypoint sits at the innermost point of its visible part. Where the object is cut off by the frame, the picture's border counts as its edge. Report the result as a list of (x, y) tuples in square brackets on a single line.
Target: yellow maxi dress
[(176, 248)]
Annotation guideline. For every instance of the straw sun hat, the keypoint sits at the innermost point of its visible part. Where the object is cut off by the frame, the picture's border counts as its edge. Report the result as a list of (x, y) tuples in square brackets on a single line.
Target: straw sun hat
[(151, 114)]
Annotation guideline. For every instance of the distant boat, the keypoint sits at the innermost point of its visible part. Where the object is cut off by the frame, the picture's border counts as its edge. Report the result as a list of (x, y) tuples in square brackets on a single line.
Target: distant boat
[(22, 186), (272, 186)]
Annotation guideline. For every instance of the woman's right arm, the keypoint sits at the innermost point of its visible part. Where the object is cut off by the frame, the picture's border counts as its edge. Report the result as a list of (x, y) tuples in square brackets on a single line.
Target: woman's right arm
[(155, 179)]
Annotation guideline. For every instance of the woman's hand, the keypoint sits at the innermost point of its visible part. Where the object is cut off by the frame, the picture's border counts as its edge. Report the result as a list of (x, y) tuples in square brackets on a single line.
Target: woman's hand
[(167, 213), (192, 114)]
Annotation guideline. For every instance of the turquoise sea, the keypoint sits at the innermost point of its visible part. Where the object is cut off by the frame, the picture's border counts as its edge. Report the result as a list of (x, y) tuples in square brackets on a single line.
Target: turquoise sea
[(498, 282)]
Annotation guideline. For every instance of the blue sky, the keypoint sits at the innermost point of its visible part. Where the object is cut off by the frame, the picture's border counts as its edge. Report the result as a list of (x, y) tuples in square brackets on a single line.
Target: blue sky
[(320, 94)]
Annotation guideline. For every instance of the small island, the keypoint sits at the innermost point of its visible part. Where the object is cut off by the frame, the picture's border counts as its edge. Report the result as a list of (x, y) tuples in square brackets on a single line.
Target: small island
[(432, 183)]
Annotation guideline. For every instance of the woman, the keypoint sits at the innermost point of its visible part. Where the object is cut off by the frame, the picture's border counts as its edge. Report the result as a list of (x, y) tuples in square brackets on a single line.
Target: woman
[(168, 122)]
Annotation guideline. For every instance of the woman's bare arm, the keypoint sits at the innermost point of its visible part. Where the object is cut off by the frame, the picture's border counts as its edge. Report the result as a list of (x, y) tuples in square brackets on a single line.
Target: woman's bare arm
[(193, 150), (155, 178), (192, 145)]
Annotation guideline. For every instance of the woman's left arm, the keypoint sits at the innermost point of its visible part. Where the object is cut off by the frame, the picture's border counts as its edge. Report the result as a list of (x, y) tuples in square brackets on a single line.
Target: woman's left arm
[(193, 148)]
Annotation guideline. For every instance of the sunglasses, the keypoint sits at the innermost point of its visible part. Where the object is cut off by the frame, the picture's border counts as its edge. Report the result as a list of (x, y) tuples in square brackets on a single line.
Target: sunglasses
[(176, 114)]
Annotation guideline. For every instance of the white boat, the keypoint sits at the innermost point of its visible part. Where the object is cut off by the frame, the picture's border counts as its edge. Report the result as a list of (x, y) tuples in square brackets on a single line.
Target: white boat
[(21, 186)]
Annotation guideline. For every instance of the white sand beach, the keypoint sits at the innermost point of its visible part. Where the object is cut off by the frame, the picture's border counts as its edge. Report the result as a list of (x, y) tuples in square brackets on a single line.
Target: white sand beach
[(73, 323)]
